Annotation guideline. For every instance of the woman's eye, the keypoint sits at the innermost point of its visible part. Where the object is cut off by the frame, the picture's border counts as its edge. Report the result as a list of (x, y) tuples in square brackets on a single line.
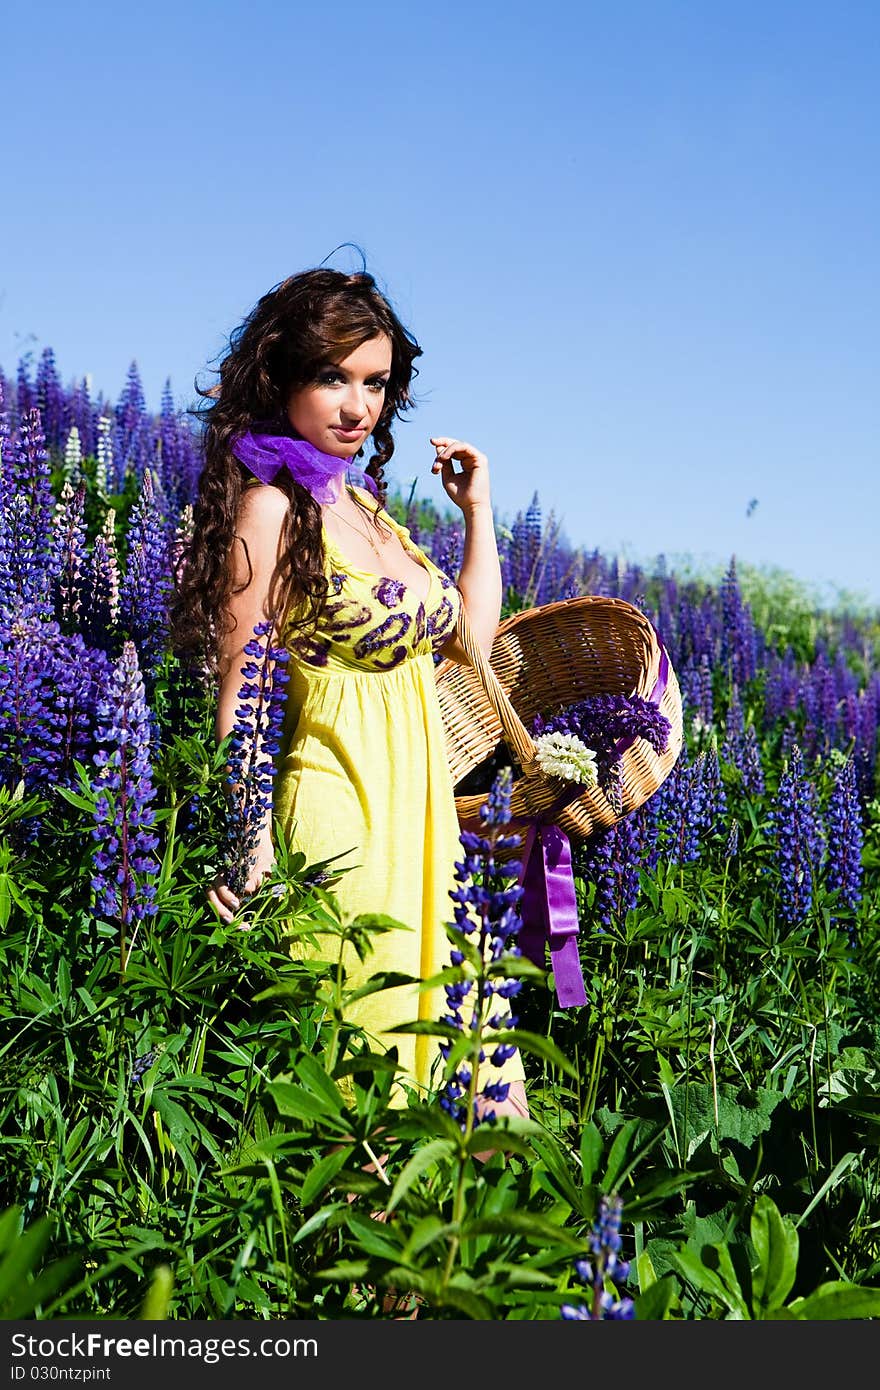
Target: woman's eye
[(329, 378)]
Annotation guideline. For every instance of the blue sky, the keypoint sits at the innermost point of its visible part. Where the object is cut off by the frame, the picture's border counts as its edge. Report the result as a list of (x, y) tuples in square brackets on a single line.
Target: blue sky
[(638, 242)]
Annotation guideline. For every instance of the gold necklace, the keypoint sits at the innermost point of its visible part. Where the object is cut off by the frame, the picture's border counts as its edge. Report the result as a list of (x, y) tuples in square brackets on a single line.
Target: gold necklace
[(384, 536)]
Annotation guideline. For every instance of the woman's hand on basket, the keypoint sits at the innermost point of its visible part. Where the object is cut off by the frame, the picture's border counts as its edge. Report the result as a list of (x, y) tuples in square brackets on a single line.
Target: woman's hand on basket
[(221, 897), (467, 487)]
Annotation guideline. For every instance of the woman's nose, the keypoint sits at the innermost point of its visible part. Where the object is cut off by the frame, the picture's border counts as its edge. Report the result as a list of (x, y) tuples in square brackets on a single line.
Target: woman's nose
[(354, 405)]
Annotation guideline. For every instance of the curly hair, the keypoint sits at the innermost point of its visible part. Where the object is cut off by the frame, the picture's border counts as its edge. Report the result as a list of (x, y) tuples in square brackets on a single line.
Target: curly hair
[(310, 318)]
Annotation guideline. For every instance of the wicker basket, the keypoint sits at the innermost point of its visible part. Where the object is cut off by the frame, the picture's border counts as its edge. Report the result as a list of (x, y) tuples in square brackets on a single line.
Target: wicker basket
[(544, 659)]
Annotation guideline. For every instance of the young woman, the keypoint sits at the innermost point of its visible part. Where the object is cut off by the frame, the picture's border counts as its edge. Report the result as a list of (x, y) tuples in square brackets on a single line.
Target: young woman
[(317, 373)]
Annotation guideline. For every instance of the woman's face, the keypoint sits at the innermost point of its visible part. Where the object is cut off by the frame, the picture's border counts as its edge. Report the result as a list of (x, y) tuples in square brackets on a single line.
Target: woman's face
[(338, 410)]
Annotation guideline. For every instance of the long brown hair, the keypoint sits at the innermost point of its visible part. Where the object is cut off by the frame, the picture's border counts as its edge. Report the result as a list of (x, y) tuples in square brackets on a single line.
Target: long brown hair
[(295, 328)]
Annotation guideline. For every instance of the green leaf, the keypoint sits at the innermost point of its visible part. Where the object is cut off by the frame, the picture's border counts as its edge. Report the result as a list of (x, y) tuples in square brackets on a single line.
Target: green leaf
[(591, 1151), (322, 1173), (427, 1232), (381, 980), (705, 1280), (776, 1245), (532, 1042), (530, 1224), (35, 1293), (421, 1160), (22, 1258), (838, 1300), (299, 1103), (657, 1299), (158, 1299), (313, 1075)]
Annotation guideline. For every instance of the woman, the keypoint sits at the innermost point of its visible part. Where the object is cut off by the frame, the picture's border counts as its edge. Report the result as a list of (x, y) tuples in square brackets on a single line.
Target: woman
[(321, 366)]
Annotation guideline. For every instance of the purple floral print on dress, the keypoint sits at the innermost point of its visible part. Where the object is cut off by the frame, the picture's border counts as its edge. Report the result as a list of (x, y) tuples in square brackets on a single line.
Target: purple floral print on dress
[(441, 622), (389, 592), (313, 651), (395, 626)]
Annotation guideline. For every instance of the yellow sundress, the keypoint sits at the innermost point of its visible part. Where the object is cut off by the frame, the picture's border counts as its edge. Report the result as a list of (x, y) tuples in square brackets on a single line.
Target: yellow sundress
[(362, 773)]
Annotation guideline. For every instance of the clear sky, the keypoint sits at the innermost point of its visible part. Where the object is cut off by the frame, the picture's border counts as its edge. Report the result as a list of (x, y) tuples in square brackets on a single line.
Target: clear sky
[(638, 241)]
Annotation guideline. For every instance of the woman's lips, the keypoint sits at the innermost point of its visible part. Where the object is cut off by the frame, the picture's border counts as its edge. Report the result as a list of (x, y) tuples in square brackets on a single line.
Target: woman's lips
[(346, 434)]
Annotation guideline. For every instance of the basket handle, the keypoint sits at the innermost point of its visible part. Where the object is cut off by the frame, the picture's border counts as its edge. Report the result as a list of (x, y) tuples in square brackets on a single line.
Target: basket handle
[(520, 742)]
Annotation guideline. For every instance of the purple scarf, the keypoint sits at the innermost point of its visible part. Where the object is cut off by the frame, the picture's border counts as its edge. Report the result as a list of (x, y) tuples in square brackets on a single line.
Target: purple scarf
[(323, 474)]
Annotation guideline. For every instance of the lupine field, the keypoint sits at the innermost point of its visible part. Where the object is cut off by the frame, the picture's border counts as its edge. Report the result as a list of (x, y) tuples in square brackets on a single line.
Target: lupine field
[(175, 1141)]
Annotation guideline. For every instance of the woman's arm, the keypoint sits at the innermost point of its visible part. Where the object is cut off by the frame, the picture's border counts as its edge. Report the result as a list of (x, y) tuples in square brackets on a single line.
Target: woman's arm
[(479, 582), (479, 579)]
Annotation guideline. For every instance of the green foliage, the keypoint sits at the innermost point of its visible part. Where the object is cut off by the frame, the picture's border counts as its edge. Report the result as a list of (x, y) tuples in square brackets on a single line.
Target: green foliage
[(206, 1136)]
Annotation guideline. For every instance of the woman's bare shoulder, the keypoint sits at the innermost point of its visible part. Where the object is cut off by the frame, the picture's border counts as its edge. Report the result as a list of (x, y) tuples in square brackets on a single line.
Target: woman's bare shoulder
[(261, 513), (262, 502)]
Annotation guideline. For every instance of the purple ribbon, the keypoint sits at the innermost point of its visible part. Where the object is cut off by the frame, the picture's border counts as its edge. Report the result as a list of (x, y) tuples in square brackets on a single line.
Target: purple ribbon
[(549, 911), (323, 474), (549, 906)]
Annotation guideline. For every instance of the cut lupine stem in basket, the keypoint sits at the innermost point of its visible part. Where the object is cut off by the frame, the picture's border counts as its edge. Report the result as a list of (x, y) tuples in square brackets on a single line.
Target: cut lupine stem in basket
[(602, 723)]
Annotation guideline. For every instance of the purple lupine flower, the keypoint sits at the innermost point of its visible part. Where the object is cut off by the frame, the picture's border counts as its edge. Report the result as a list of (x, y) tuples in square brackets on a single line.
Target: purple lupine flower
[(650, 818), (739, 650), (845, 838), (490, 917), (100, 597), (171, 461), (525, 549), (796, 831), (147, 581), (30, 720), (714, 807), (699, 629), (752, 767), (129, 416), (69, 557), (26, 519), (684, 812), (31, 476), (603, 1266), (826, 704), (780, 687), (254, 744), (124, 862), (731, 848), (451, 551), (49, 398), (610, 860), (810, 739), (23, 576), (554, 564), (80, 418), (141, 1065)]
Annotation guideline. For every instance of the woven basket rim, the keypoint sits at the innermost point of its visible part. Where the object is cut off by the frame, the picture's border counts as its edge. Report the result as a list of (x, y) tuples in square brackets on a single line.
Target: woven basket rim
[(484, 721)]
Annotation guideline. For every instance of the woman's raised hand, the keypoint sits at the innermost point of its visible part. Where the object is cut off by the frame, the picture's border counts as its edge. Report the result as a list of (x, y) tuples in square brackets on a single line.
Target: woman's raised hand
[(467, 487)]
